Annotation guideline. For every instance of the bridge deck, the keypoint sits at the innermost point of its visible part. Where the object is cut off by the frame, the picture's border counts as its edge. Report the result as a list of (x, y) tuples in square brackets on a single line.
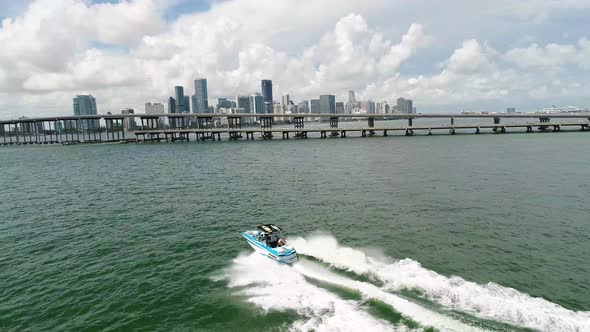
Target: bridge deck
[(577, 115), (355, 129)]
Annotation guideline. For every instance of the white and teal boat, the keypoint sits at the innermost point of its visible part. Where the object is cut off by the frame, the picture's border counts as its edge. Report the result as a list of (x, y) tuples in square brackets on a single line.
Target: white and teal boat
[(269, 241)]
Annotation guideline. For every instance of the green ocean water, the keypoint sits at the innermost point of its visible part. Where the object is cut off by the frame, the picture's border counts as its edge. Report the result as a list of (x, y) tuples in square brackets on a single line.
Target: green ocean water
[(484, 232)]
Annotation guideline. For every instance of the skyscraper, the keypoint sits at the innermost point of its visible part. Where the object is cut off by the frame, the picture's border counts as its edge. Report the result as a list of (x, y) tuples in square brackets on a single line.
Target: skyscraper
[(369, 106), (243, 102), (267, 95), (351, 96), (351, 104), (200, 99), (179, 97), (86, 105), (314, 106), (285, 99), (129, 123), (257, 104), (187, 109), (223, 103), (340, 107), (327, 104), (382, 108), (303, 106), (187, 106), (155, 108), (172, 110), (404, 106), (285, 102)]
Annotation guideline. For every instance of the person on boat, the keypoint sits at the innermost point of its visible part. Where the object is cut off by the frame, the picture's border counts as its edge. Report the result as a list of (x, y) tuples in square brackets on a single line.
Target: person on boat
[(272, 240), (281, 242)]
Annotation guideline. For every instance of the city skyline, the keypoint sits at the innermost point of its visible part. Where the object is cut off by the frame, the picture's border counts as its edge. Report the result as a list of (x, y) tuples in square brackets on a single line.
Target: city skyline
[(381, 49), (263, 102)]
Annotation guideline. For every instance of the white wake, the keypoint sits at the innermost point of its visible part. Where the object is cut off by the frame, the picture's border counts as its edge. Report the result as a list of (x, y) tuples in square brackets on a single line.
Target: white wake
[(274, 287), (490, 301)]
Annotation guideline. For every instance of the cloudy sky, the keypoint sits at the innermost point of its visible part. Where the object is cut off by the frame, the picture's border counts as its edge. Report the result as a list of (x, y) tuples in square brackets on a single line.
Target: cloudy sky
[(446, 55)]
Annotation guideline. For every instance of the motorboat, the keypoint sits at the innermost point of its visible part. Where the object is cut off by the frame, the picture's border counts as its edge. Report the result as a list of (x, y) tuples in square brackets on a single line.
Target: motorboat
[(269, 241)]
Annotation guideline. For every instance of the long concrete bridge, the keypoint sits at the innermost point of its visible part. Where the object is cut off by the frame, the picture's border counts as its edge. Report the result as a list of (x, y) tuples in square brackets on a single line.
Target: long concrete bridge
[(88, 129)]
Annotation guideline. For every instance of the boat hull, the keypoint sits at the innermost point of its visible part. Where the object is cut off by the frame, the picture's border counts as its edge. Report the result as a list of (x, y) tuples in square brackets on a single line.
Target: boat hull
[(284, 254)]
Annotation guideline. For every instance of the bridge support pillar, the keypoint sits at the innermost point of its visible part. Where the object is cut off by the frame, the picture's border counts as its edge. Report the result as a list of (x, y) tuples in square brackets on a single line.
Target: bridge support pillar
[(298, 122), (266, 123), (333, 122), (77, 132), (204, 122), (109, 130), (452, 131), (16, 132), (429, 132), (496, 122), (384, 132), (452, 121), (371, 122), (410, 122), (409, 132), (343, 133), (334, 125), (234, 122), (557, 128), (477, 130)]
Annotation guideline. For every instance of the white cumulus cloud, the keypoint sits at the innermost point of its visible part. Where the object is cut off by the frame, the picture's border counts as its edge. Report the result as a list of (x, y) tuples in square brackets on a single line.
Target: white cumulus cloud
[(127, 53)]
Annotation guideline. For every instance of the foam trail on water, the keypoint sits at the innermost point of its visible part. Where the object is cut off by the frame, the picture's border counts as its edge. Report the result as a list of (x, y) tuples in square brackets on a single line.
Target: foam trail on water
[(418, 313), (275, 287), (490, 301)]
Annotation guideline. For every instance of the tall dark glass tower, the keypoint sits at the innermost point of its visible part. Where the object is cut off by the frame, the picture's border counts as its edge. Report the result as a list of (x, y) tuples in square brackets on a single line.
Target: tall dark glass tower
[(327, 104), (172, 110), (179, 97), (201, 100), (267, 95)]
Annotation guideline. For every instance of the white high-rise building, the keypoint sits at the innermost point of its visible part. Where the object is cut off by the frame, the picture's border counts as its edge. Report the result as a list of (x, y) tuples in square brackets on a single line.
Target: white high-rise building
[(155, 108), (368, 106), (351, 104), (382, 107), (285, 99), (405, 106), (351, 96)]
